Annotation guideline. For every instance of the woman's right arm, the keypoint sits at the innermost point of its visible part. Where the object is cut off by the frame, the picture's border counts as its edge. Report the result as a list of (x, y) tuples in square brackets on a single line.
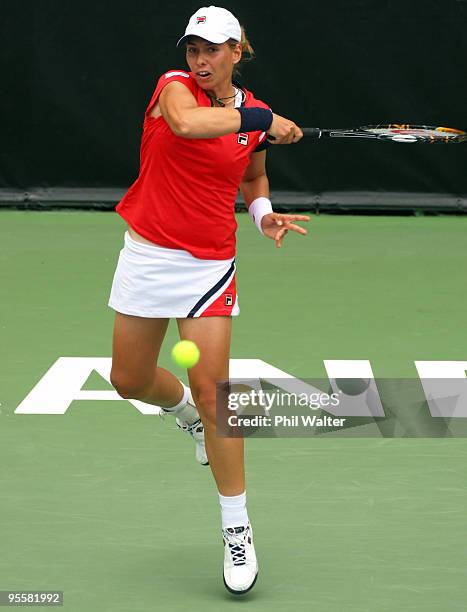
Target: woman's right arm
[(185, 118)]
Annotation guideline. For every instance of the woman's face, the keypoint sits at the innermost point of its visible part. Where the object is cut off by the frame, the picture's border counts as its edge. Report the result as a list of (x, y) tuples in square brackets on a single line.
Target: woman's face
[(211, 64)]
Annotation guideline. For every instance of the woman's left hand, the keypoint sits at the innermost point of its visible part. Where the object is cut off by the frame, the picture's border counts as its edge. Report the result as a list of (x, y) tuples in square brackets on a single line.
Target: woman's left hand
[(276, 226)]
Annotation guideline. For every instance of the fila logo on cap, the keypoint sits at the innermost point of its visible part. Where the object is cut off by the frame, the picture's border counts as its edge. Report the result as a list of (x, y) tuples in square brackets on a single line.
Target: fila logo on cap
[(228, 299), (243, 139), (200, 20)]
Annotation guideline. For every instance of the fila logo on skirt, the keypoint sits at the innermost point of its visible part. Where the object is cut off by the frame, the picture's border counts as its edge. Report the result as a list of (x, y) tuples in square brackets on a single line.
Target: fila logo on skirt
[(243, 139)]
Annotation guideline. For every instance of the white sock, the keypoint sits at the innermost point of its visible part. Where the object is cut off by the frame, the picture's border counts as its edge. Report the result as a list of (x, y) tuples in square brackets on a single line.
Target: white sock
[(184, 411), (233, 510)]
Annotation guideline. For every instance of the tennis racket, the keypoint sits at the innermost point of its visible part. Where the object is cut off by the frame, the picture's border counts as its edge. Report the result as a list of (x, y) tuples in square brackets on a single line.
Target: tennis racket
[(394, 132)]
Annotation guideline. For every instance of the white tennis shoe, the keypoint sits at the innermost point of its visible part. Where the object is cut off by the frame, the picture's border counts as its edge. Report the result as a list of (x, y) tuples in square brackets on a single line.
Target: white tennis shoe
[(194, 427), (196, 431), (240, 564)]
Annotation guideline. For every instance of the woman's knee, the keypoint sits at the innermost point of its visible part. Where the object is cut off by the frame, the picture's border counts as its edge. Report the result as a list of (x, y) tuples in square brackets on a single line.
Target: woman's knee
[(130, 387)]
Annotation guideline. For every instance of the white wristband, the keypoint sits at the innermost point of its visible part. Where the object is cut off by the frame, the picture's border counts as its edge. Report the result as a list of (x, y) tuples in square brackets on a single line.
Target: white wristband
[(258, 208)]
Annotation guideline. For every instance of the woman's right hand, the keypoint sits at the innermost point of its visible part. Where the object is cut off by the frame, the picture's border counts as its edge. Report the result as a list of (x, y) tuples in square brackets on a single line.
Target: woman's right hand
[(283, 131)]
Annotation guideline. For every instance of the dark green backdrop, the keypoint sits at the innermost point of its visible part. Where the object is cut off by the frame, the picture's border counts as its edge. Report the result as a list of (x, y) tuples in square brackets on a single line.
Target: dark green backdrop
[(76, 78)]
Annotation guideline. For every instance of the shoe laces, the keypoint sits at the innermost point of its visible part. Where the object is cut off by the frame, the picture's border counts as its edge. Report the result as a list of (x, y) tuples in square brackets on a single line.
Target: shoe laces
[(236, 538), (196, 427)]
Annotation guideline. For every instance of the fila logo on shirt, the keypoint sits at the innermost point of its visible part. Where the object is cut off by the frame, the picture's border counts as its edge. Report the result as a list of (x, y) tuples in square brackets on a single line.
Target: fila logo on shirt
[(243, 139), (228, 299), (200, 20)]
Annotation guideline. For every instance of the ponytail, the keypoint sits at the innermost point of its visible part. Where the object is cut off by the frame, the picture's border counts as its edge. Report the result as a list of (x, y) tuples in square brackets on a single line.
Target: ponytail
[(248, 52)]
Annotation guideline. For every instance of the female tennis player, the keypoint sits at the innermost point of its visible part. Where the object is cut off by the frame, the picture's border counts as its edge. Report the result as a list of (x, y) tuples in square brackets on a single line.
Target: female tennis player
[(204, 137)]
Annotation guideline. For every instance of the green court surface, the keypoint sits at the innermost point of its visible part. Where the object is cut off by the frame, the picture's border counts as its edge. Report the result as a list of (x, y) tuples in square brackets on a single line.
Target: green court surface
[(109, 505)]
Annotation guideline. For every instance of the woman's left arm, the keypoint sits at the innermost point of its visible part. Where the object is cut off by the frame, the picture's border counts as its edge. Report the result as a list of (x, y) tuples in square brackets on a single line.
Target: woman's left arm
[(254, 185)]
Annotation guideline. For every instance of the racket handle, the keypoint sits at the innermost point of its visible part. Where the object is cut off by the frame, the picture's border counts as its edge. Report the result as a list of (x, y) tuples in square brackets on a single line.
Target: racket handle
[(313, 132)]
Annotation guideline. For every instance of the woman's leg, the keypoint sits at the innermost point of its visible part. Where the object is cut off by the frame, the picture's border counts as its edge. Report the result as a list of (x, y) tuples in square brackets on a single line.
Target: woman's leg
[(212, 336), (135, 375)]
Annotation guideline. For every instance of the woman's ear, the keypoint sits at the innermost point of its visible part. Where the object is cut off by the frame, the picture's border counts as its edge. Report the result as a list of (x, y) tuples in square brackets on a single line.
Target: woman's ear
[(237, 54)]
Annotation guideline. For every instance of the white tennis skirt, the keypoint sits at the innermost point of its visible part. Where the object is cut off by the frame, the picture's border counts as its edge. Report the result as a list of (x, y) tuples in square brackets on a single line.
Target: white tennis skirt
[(156, 282)]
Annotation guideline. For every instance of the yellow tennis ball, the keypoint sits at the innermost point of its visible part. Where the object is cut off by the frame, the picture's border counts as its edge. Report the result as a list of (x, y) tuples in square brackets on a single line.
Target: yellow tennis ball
[(185, 354)]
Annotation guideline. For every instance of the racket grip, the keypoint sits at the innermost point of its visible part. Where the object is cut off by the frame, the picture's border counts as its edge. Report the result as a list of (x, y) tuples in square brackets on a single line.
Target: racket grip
[(313, 132)]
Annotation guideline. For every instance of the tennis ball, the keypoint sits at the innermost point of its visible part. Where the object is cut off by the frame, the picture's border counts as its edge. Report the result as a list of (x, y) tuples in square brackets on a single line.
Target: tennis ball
[(185, 354)]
